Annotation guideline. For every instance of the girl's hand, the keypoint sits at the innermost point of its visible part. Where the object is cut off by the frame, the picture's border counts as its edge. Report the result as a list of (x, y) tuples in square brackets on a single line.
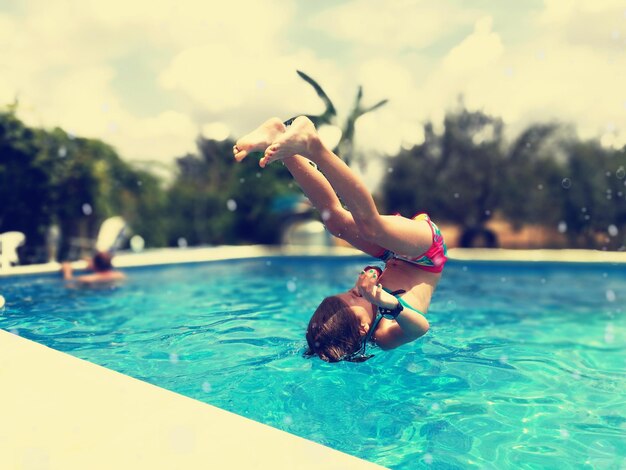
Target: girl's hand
[(369, 288)]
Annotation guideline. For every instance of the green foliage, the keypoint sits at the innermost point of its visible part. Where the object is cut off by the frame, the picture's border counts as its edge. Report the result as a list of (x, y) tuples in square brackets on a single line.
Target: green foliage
[(546, 177), (215, 200), (24, 180), (51, 177), (464, 176)]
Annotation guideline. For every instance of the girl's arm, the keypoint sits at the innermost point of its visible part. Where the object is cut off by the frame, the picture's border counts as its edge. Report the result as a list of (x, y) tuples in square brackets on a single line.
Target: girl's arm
[(407, 326), (321, 194)]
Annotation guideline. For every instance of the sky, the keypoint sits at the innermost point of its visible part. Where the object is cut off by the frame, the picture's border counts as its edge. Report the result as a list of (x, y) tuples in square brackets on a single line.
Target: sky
[(149, 77)]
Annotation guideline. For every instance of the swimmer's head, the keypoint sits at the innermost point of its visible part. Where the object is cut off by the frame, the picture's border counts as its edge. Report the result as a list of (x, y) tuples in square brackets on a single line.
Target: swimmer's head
[(338, 327), (102, 261)]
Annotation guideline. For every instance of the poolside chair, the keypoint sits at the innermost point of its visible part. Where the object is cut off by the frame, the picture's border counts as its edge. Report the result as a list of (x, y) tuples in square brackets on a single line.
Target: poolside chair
[(9, 243), (111, 236)]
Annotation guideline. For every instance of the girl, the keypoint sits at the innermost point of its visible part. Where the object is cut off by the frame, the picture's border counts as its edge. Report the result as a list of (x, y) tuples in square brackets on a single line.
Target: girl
[(386, 307)]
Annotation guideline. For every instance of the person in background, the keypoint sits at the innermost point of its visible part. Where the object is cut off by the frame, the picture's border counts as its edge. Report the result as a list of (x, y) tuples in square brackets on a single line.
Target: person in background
[(102, 267)]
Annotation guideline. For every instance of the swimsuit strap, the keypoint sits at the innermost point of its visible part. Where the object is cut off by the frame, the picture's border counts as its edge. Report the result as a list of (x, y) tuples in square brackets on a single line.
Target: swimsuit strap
[(370, 333)]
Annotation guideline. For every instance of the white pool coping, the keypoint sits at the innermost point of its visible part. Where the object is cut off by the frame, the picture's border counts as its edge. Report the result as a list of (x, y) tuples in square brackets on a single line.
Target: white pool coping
[(216, 253), (60, 412)]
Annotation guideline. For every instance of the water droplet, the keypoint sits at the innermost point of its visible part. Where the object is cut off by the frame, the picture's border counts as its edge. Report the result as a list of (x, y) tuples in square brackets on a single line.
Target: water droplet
[(487, 212), (540, 187), (137, 243), (610, 295), (451, 305), (564, 433), (543, 280), (389, 170), (325, 215), (287, 420), (562, 228), (456, 195), (258, 175), (268, 263), (87, 209), (566, 183), (613, 231), (504, 359), (62, 152), (620, 173), (174, 358), (241, 180), (182, 242), (2, 302), (608, 174), (428, 459), (503, 279), (465, 268), (609, 334), (139, 183), (435, 407), (583, 209), (206, 387), (231, 205), (291, 286)]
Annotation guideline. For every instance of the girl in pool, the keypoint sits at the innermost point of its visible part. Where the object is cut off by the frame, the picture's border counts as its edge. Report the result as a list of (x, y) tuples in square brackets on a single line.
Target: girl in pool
[(387, 307)]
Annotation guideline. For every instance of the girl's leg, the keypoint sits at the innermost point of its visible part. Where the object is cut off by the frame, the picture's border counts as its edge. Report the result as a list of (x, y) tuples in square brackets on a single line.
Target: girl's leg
[(402, 235)]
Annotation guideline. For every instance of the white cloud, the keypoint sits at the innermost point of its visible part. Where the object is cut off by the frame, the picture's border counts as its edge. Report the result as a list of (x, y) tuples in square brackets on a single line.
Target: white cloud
[(235, 63), (392, 25), (480, 49), (61, 59)]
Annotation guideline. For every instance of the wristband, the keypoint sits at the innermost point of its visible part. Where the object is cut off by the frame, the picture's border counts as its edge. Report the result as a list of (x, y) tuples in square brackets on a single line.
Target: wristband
[(391, 313)]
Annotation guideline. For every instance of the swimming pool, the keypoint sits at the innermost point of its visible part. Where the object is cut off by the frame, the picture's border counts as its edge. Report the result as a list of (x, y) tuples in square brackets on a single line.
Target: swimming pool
[(524, 365)]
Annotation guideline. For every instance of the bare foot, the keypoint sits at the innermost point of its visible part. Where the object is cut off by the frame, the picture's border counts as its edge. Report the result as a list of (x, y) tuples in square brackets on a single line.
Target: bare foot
[(259, 139), (296, 140)]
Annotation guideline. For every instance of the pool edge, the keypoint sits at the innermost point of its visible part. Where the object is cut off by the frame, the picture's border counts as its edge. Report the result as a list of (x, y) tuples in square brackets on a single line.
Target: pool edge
[(63, 412), (168, 256)]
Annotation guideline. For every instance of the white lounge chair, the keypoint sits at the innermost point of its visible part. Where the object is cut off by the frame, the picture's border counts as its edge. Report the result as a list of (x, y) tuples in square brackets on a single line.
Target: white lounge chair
[(9, 243), (112, 234)]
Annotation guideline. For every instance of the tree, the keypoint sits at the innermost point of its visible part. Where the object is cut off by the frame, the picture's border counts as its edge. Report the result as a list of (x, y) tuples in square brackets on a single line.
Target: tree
[(456, 176), (24, 181), (215, 200), (345, 147), (50, 177)]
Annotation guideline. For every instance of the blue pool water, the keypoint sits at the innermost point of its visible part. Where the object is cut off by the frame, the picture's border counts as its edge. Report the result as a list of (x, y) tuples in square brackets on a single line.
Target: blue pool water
[(524, 365)]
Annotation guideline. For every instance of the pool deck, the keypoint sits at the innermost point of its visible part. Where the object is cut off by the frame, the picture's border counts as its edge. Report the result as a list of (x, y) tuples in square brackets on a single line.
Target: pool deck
[(60, 412)]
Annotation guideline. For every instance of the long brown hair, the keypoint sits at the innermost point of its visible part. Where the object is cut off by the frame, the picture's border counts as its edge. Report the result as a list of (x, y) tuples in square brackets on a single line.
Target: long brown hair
[(333, 332)]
